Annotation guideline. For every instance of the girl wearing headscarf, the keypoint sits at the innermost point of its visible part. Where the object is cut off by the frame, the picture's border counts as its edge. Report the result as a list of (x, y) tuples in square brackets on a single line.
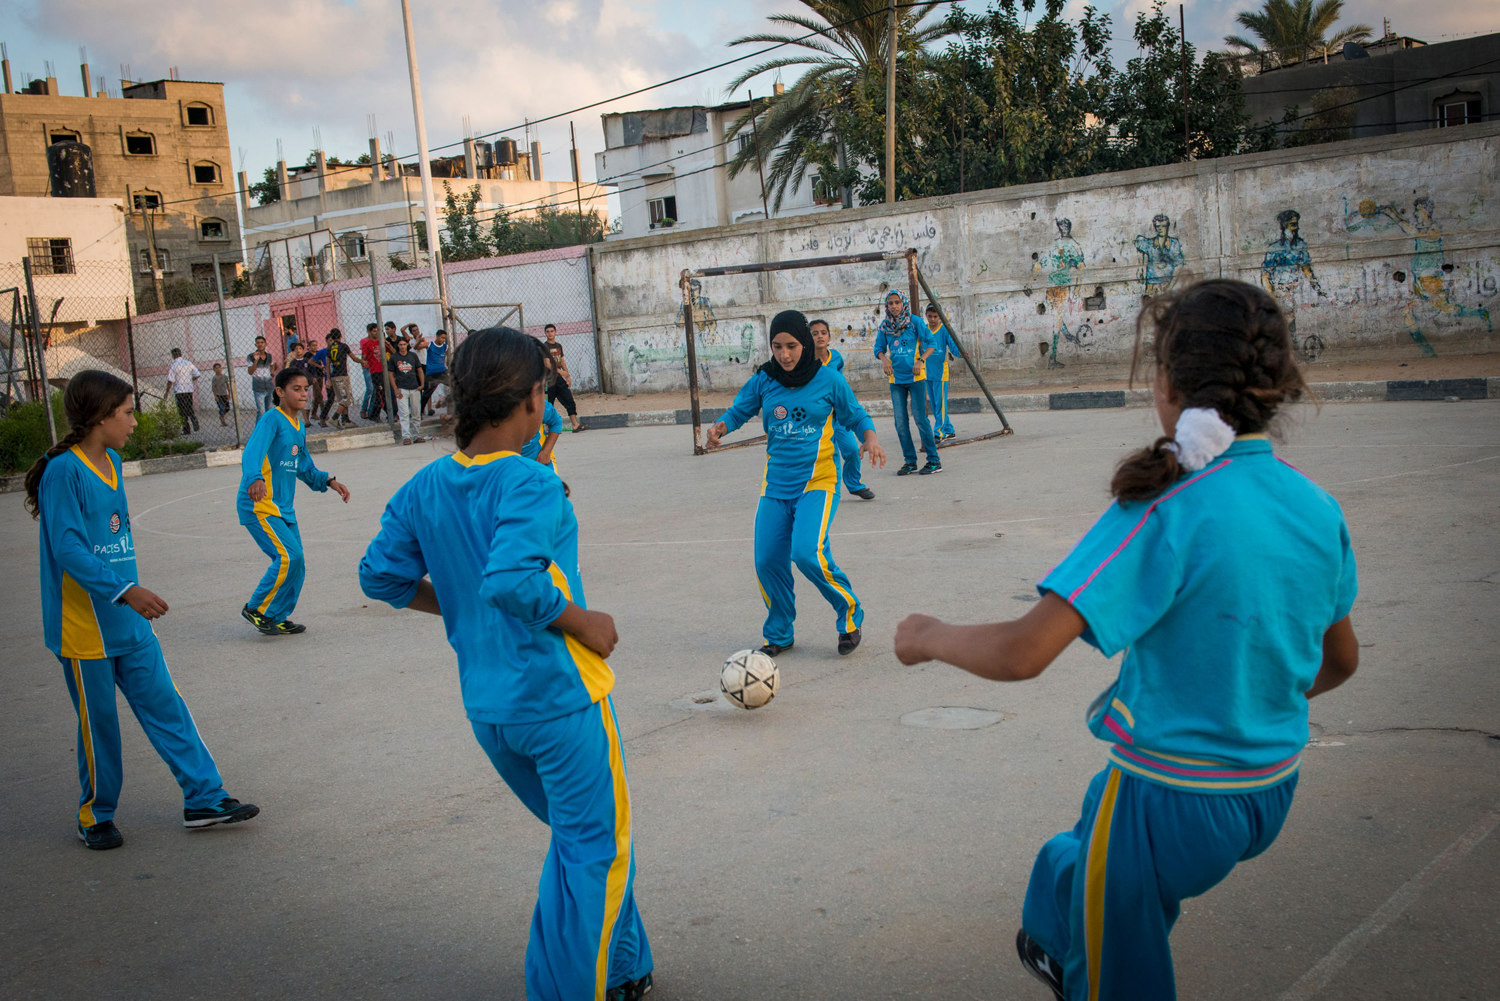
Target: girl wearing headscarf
[(801, 402), (903, 344)]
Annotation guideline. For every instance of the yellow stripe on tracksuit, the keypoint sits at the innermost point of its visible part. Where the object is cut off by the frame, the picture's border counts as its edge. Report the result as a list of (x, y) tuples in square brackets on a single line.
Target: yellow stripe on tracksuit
[(825, 477), (619, 869), (595, 673), (1094, 881), (828, 503), (286, 561), (86, 811)]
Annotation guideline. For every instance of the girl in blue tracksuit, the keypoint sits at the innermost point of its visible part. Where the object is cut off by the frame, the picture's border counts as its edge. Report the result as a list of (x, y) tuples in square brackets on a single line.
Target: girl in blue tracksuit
[(801, 402), (1227, 578), (937, 380), (486, 539), (843, 439), (539, 446), (274, 459), (96, 617), (903, 344)]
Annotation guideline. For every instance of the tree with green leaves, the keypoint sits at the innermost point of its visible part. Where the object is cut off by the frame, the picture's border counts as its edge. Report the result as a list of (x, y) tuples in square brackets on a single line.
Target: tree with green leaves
[(1292, 31), (267, 189), (462, 240), (846, 52)]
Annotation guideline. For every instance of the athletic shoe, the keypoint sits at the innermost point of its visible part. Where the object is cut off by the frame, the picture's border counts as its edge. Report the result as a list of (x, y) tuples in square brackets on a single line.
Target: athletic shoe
[(847, 642), (1039, 964), (864, 492), (229, 811), (775, 649), (258, 620), (101, 837), (286, 627), (931, 467), (632, 990), (907, 470)]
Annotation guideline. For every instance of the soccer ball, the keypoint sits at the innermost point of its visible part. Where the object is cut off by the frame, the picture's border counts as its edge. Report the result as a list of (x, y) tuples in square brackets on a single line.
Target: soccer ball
[(749, 679)]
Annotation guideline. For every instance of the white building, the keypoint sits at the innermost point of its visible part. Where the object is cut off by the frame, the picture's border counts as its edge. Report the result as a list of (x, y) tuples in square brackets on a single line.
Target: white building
[(671, 169), (80, 260)]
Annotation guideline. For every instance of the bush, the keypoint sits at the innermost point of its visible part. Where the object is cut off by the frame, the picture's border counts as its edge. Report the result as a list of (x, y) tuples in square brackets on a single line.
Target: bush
[(23, 434), (156, 433)]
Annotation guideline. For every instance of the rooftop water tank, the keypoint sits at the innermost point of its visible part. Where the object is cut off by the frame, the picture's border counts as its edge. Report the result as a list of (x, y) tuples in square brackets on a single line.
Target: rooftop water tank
[(71, 168)]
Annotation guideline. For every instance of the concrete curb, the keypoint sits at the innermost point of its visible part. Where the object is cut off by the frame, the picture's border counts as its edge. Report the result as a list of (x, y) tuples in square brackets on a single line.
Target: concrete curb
[(1393, 390)]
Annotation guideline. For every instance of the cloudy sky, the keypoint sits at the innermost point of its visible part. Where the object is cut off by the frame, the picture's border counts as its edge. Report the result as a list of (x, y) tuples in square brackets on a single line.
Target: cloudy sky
[(292, 66)]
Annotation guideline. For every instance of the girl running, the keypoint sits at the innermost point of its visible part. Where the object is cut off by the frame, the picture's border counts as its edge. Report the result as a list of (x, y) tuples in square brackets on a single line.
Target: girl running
[(843, 439), (275, 458), (96, 618), (1227, 577), (802, 402), (486, 539)]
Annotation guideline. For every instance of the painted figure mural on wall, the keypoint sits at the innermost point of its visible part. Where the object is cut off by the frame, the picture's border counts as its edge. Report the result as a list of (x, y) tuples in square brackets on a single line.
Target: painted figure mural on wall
[(717, 342), (1431, 298), (1161, 256), (1063, 265), (1287, 273)]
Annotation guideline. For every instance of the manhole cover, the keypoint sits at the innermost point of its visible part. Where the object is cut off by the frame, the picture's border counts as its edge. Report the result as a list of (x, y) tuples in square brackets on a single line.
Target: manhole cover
[(954, 718)]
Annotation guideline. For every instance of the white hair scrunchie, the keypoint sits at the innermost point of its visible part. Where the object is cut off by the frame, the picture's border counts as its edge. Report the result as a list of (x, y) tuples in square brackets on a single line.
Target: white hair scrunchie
[(1200, 438)]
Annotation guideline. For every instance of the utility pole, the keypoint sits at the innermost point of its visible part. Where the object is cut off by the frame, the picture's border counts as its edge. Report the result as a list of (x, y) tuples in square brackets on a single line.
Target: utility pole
[(1187, 137), (890, 113), (760, 166), (434, 245), (161, 302), (577, 182)]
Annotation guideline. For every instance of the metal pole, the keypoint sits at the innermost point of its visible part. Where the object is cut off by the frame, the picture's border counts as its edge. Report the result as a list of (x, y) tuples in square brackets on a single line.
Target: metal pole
[(234, 397), (429, 202), (577, 182), (760, 166), (10, 354), (692, 361), (41, 350), (1187, 142), (385, 370), (911, 282), (161, 302), (890, 113), (973, 369), (135, 387)]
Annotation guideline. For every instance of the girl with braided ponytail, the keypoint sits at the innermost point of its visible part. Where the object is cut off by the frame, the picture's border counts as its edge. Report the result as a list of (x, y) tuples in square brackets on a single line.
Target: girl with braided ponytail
[(486, 538), (1227, 578), (96, 617)]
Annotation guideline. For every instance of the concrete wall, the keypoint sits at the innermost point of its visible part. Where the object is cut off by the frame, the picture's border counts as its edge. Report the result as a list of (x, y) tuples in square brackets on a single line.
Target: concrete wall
[(1396, 253), (101, 282)]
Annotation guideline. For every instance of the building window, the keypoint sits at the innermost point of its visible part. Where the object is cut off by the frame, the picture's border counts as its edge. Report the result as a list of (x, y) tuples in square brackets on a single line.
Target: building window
[(742, 142), (1458, 109), (663, 211), (212, 229), (55, 136), (822, 192), (163, 261), (199, 114), (205, 172), (353, 243), (140, 144), (143, 200), (50, 255)]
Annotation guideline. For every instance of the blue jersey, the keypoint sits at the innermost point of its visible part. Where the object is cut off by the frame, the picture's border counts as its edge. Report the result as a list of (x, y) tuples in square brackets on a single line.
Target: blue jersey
[(500, 542), (905, 348), (1220, 592), (87, 560), (941, 343), (835, 361), (551, 424), (799, 424), (276, 453), (437, 359)]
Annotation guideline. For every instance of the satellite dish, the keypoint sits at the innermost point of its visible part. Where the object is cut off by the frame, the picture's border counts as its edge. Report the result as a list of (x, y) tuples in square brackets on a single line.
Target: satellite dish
[(1353, 51)]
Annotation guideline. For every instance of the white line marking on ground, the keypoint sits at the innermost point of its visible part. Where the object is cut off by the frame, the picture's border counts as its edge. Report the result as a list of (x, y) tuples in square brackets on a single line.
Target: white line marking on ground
[(1412, 472), (1317, 978)]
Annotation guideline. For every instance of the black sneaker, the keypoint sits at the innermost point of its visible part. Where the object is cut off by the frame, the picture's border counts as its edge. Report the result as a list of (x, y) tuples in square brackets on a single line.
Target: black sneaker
[(864, 492), (1039, 964), (631, 990), (930, 468), (847, 642), (286, 627), (258, 620), (101, 837), (229, 811), (907, 470), (774, 649)]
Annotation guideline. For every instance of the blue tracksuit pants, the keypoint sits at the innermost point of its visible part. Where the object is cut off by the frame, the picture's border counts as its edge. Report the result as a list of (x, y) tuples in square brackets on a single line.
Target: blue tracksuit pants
[(586, 935), (142, 676), (937, 406), (276, 594), (848, 448), (796, 531), (1103, 897), (912, 396)]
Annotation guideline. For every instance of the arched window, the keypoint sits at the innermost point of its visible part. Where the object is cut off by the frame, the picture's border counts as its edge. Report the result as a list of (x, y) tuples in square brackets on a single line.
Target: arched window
[(212, 229), (144, 200), (205, 172), (59, 135), (140, 144), (198, 114)]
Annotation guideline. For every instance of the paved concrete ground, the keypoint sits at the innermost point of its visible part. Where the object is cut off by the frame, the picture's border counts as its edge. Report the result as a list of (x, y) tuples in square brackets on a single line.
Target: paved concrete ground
[(816, 849)]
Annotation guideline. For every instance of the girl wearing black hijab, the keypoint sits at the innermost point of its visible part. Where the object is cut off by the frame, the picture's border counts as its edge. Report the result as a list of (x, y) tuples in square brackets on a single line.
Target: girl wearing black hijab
[(800, 403)]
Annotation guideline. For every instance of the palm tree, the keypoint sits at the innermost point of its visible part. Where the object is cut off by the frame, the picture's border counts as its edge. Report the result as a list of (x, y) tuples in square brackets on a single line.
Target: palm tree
[(1292, 30), (843, 45)]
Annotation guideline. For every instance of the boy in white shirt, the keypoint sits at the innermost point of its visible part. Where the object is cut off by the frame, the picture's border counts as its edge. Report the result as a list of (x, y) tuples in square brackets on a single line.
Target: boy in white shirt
[(180, 379)]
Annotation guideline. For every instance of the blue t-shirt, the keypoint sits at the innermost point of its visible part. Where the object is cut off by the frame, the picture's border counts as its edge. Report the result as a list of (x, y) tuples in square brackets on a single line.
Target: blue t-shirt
[(905, 348), (87, 560), (551, 424), (799, 427), (276, 453), (500, 543), (1219, 592), (437, 358), (941, 342)]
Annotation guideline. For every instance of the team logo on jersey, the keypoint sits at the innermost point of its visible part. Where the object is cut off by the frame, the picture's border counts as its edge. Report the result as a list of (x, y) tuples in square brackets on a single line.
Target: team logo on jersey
[(798, 414), (779, 413), (294, 449), (114, 523)]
